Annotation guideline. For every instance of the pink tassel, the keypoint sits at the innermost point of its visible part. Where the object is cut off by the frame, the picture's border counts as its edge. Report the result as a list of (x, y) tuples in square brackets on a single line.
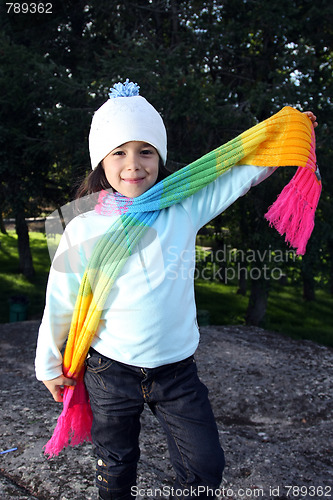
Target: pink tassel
[(294, 210), (74, 424)]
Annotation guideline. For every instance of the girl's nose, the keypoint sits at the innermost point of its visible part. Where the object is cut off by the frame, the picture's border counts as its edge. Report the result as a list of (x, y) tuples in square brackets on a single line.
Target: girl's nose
[(133, 162)]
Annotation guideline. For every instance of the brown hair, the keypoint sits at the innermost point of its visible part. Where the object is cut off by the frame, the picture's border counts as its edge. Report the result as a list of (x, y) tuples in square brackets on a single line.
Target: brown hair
[(93, 183)]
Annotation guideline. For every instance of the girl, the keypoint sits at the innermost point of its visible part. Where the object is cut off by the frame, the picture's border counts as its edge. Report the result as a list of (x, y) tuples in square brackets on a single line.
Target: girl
[(146, 334)]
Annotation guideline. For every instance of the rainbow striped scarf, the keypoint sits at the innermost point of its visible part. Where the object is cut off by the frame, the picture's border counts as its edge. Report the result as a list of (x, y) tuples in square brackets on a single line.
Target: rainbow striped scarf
[(285, 139)]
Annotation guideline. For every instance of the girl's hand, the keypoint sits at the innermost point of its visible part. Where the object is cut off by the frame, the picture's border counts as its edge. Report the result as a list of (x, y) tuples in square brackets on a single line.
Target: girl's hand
[(56, 386), (312, 117)]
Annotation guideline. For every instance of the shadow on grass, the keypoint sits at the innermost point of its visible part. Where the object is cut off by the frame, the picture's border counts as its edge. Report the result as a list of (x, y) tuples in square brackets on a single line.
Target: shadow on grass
[(287, 312)]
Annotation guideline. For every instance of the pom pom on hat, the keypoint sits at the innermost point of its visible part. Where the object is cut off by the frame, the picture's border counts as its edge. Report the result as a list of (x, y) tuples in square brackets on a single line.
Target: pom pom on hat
[(127, 89), (125, 116)]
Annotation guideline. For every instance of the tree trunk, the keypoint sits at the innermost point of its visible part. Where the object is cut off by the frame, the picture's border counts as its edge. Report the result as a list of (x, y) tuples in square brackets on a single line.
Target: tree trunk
[(330, 269), (25, 258), (308, 263), (2, 225), (257, 302), (242, 282), (309, 292)]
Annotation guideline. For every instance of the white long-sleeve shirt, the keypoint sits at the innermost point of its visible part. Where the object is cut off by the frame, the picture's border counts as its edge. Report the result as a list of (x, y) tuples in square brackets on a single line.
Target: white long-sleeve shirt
[(149, 319)]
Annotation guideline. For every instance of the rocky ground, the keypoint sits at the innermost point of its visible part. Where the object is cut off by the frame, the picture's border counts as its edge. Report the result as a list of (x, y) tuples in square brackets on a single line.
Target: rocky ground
[(272, 398)]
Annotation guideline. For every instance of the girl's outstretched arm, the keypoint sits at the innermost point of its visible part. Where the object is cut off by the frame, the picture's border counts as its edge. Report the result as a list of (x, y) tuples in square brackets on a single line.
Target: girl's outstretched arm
[(56, 386)]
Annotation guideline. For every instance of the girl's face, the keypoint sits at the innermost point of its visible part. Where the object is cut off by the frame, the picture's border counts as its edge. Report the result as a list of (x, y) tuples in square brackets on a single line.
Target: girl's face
[(132, 168)]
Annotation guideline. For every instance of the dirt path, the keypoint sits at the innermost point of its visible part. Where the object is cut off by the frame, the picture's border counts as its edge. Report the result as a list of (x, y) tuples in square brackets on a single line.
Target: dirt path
[(272, 399)]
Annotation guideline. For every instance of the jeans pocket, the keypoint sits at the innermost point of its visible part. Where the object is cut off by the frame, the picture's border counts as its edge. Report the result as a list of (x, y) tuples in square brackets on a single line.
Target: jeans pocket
[(96, 367), (96, 363)]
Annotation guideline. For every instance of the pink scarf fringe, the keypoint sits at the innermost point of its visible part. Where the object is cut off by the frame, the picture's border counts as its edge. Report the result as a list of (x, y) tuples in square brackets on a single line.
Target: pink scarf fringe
[(74, 424), (293, 211)]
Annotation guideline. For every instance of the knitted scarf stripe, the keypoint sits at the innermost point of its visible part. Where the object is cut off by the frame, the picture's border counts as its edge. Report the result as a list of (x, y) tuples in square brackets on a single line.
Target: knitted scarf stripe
[(96, 284), (285, 139)]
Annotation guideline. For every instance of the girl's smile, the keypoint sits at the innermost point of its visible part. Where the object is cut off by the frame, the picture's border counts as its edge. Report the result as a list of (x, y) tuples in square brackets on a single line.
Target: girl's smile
[(132, 168)]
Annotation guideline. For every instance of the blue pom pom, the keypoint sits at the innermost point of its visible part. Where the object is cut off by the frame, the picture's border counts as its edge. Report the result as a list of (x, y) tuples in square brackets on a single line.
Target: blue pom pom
[(127, 89)]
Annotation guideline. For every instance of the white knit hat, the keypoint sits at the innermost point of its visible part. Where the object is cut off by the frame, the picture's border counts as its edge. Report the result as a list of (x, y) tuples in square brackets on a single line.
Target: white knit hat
[(125, 117)]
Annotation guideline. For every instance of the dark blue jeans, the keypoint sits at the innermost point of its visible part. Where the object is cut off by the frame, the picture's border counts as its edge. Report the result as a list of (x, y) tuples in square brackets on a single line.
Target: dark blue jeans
[(180, 402)]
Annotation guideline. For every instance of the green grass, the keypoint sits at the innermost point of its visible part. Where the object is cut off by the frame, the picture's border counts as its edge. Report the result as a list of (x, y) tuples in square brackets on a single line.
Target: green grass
[(14, 283), (287, 312), (222, 302)]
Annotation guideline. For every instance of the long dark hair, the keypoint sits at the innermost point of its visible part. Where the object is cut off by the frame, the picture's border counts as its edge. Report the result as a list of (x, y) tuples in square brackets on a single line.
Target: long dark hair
[(93, 183), (96, 180)]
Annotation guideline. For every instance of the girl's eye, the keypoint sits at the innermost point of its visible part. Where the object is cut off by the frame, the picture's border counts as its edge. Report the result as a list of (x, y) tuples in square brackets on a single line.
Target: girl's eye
[(147, 152), (118, 153)]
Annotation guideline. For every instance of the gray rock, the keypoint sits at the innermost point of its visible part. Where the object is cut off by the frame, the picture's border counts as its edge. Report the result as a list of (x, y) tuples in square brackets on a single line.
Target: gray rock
[(272, 398)]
